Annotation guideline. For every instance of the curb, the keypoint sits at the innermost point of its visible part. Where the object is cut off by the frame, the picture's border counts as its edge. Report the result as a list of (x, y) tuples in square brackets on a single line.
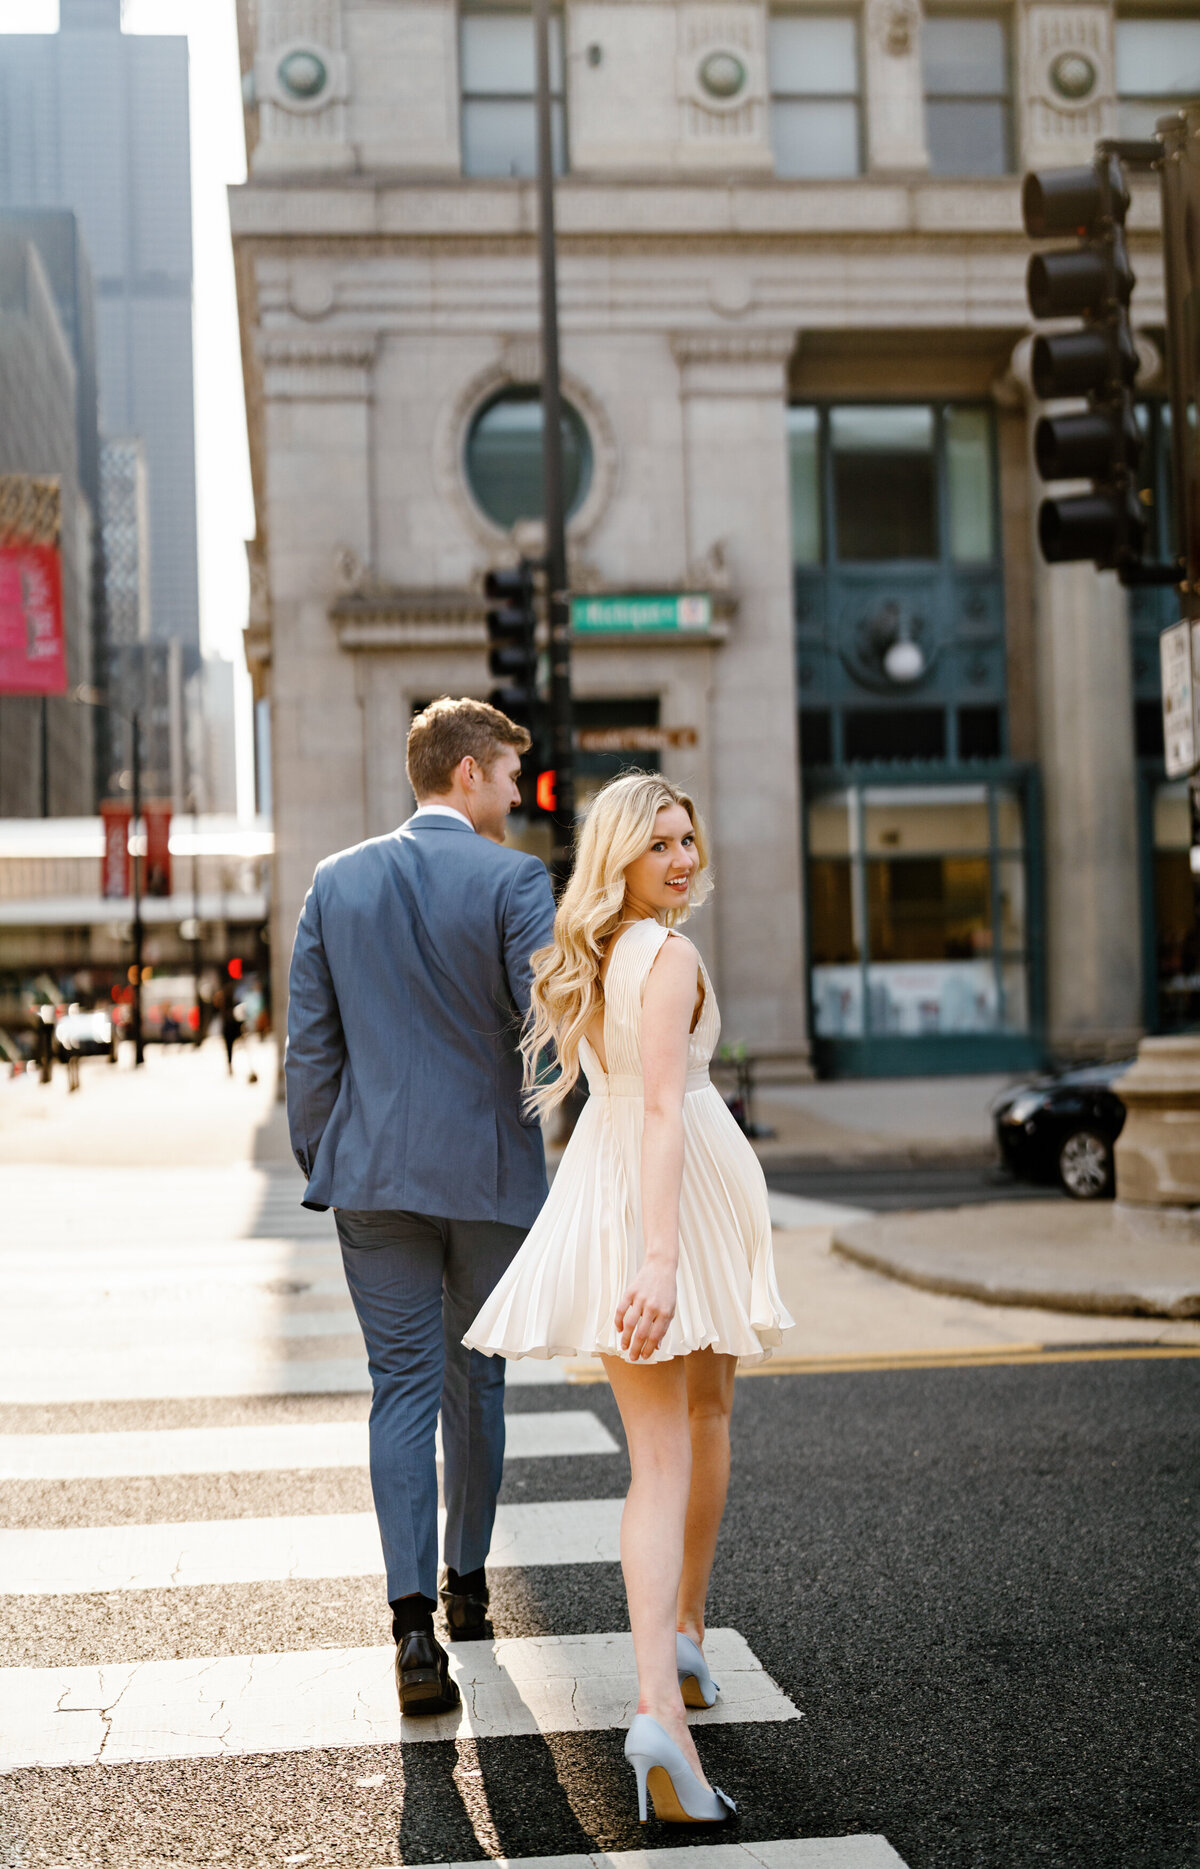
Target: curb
[(1174, 1295)]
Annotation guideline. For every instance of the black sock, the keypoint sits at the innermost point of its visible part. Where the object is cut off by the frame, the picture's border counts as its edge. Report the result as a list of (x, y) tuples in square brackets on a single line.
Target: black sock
[(411, 1613), (469, 1583)]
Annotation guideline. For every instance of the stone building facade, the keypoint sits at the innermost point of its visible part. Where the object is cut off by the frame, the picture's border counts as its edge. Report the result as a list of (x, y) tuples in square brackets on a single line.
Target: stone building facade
[(795, 346)]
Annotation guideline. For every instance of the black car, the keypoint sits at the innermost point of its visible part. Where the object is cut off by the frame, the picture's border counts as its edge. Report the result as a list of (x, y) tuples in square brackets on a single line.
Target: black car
[(1062, 1129)]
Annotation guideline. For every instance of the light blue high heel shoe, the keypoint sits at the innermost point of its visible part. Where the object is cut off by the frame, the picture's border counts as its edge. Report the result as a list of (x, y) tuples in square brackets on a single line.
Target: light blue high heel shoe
[(677, 1793), (695, 1682)]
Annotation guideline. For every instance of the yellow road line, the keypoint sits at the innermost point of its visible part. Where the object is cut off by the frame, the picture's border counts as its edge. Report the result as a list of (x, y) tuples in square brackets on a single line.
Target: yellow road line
[(585, 1370)]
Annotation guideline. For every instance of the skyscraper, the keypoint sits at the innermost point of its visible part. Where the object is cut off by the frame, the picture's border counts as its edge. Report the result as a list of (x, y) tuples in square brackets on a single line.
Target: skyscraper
[(96, 120)]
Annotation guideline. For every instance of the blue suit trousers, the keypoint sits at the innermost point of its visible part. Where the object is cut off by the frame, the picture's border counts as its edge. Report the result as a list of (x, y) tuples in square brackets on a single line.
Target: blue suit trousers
[(417, 1282)]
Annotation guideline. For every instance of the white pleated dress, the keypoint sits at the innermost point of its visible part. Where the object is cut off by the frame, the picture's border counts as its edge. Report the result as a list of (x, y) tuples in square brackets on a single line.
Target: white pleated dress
[(559, 1296)]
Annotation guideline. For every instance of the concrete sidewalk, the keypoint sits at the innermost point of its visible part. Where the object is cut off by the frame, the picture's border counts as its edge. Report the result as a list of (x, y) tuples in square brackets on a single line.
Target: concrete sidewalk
[(1096, 1258)]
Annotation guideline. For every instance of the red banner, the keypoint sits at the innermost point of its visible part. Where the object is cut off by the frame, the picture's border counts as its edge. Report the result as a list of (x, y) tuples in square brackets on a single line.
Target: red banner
[(157, 874), (33, 656), (114, 864)]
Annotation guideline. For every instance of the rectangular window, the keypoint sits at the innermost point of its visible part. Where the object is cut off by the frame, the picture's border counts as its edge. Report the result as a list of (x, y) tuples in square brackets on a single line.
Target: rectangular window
[(815, 109), (804, 450), (498, 74), (967, 94), (970, 502), (884, 482), (1158, 70)]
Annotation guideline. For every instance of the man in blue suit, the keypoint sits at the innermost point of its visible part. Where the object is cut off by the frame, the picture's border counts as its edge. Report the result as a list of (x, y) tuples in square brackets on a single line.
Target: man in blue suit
[(409, 983)]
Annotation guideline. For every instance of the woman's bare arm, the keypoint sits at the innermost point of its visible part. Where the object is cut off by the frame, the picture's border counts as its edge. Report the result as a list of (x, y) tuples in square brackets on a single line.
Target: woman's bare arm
[(648, 1306)]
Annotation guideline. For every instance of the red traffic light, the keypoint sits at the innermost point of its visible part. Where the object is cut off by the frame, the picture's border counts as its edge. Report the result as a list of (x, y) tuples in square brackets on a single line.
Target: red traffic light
[(547, 797), (235, 969)]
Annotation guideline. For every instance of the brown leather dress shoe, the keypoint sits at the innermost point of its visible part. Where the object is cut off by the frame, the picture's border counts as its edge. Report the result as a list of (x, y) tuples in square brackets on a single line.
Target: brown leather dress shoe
[(422, 1675)]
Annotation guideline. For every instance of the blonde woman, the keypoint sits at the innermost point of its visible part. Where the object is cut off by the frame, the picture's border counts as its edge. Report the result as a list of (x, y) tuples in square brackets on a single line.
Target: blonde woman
[(653, 1250)]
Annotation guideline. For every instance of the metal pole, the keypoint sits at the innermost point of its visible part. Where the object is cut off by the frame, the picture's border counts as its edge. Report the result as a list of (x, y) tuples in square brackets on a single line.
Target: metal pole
[(139, 1052), (561, 723), (196, 918)]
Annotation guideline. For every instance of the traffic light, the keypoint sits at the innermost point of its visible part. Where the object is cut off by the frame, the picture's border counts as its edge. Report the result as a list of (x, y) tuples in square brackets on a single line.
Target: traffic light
[(1094, 282), (512, 643)]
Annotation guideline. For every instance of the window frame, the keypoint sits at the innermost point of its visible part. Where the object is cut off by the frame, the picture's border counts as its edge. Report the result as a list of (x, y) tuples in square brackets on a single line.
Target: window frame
[(1144, 16), (558, 97), (830, 559), (1004, 17), (857, 97)]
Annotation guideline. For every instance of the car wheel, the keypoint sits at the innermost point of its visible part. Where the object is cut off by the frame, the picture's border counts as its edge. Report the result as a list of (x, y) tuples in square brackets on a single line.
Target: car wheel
[(1085, 1166)]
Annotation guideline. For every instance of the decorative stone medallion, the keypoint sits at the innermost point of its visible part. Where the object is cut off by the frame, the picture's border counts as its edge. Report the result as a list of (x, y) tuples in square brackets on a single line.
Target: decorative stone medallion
[(1073, 76), (722, 74)]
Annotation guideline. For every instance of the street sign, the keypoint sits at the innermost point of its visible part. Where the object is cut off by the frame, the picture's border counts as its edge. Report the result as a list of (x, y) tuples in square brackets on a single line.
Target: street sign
[(634, 739), (1175, 648), (629, 612)]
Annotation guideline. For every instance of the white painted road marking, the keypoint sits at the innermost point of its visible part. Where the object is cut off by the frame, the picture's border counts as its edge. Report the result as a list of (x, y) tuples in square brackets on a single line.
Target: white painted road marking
[(196, 1369), (335, 1544), (213, 1707), (286, 1447), (791, 1853)]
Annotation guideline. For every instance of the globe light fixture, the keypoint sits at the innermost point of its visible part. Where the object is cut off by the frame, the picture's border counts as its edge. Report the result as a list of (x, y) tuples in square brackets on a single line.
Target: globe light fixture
[(904, 661)]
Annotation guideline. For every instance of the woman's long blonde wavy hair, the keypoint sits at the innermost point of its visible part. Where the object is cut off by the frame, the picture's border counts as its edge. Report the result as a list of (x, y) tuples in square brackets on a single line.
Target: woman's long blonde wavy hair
[(618, 829)]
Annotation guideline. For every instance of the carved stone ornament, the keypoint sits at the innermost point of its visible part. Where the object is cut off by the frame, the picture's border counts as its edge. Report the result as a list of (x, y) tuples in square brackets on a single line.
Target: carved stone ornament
[(518, 363), (893, 25), (301, 77), (721, 78), (1070, 87)]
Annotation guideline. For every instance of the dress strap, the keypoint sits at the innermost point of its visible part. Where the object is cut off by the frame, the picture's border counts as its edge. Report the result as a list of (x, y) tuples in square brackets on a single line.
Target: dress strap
[(634, 956)]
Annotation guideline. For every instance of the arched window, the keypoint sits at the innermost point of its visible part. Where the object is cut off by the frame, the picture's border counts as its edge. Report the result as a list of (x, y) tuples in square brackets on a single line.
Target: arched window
[(504, 456)]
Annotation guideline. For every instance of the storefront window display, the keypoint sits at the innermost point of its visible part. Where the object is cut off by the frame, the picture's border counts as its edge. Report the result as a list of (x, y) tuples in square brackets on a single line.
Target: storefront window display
[(918, 911)]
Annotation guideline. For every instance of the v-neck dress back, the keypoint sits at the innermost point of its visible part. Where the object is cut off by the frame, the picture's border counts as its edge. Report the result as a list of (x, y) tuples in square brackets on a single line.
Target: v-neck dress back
[(560, 1294)]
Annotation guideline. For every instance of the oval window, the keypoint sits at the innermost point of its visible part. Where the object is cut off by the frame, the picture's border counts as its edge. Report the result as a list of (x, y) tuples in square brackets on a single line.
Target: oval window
[(504, 457)]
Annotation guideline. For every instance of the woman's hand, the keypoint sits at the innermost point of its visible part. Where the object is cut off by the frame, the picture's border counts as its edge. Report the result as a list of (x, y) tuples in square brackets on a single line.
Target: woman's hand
[(646, 1309)]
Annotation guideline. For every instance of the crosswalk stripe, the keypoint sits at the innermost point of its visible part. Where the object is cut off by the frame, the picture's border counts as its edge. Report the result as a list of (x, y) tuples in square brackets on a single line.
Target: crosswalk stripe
[(335, 1544), (865, 1852), (213, 1707), (280, 1446), (193, 1373)]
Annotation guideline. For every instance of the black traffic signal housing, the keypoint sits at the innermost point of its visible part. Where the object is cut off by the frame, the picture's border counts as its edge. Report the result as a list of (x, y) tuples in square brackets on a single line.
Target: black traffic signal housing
[(512, 643), (1094, 282)]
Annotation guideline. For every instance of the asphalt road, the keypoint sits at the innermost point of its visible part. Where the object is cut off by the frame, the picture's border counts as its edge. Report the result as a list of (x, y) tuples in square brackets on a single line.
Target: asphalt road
[(890, 1185), (974, 1583)]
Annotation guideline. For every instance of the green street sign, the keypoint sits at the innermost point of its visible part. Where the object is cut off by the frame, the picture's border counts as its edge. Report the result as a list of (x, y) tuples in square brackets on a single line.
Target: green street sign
[(626, 612)]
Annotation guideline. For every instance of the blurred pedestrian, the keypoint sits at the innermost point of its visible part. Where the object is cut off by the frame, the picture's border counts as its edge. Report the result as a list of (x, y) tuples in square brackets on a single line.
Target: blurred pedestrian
[(230, 1016)]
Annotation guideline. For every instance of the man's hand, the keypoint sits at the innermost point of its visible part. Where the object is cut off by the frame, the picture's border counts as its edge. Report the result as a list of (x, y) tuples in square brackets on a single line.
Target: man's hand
[(646, 1310)]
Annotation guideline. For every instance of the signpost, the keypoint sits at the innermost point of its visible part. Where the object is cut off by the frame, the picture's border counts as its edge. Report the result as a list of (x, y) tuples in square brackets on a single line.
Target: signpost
[(634, 739), (1181, 741), (633, 612)]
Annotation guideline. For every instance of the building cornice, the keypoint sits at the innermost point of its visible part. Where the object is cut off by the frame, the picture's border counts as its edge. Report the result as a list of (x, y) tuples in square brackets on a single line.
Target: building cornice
[(404, 209)]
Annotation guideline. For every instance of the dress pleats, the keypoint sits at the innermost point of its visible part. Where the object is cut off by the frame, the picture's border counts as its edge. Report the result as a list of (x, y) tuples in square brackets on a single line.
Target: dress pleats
[(559, 1296)]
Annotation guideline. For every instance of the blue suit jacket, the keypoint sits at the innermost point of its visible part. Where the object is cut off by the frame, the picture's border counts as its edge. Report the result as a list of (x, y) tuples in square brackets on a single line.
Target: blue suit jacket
[(409, 983)]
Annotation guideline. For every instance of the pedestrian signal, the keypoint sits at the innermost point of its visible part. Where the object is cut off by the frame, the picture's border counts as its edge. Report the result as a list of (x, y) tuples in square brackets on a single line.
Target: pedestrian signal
[(511, 622), (547, 798)]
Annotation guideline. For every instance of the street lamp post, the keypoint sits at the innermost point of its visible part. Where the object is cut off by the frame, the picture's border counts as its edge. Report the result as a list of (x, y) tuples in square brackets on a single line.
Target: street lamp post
[(139, 1050), (558, 603), (91, 697)]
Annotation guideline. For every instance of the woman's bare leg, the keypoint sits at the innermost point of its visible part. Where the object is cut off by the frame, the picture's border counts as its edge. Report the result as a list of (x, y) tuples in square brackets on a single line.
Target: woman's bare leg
[(652, 1398), (710, 1404)]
